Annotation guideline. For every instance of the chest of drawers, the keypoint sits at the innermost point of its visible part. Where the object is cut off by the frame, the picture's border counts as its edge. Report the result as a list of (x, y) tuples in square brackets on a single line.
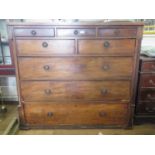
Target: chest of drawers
[(77, 75), (145, 107)]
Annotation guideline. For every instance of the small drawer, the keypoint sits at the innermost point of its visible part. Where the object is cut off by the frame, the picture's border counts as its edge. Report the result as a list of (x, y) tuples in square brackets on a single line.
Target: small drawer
[(117, 32), (107, 47), (45, 47), (85, 113), (79, 32), (75, 68), (147, 94), (147, 80), (76, 90), (145, 108), (36, 32), (148, 67)]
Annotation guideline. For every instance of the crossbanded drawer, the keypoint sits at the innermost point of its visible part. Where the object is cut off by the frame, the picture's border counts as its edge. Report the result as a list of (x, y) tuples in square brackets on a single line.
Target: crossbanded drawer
[(79, 32), (103, 32), (147, 94), (145, 108), (147, 80), (75, 68), (44, 47), (148, 67), (75, 90), (34, 32), (107, 47), (83, 113)]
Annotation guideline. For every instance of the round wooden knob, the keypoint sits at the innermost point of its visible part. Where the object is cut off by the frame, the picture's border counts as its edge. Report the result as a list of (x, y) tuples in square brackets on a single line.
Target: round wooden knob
[(106, 44), (104, 91), (76, 32), (50, 114), (45, 44), (46, 67), (102, 114), (33, 32), (48, 91), (106, 67)]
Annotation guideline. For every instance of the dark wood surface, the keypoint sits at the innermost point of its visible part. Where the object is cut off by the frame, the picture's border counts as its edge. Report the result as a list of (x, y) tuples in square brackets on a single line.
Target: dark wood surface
[(75, 114), (78, 75), (36, 32), (75, 68), (45, 47), (76, 90), (145, 107), (120, 46)]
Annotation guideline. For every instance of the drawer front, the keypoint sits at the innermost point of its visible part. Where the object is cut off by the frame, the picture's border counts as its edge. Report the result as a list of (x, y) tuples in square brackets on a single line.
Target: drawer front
[(148, 67), (36, 32), (147, 94), (75, 68), (45, 47), (76, 90), (107, 47), (76, 114), (117, 32), (145, 108), (147, 80), (82, 32)]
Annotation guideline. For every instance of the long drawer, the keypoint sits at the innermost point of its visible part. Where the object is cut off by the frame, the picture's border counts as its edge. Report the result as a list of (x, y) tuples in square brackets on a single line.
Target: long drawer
[(107, 47), (44, 47), (147, 94), (75, 90), (148, 67), (116, 32), (76, 32), (75, 68), (76, 114), (145, 108), (147, 80), (34, 32)]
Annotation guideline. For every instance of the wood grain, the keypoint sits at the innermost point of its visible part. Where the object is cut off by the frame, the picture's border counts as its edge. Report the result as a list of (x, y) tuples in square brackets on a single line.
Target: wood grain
[(116, 47), (34, 32), (75, 114), (75, 68), (76, 32), (35, 47), (75, 90), (117, 32)]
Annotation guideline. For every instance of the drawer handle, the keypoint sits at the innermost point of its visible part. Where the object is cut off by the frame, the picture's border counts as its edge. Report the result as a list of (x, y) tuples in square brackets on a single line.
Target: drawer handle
[(116, 32), (104, 91), (106, 44), (76, 32), (150, 97), (102, 114), (152, 82), (106, 67), (33, 32), (45, 44), (150, 109), (46, 67), (50, 114), (48, 91)]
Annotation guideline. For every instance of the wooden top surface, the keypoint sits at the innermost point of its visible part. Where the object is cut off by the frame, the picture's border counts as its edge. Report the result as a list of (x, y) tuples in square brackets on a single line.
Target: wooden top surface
[(110, 23)]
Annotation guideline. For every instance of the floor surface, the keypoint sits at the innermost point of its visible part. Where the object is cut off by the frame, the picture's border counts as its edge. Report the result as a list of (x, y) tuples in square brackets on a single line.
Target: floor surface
[(144, 129), (6, 118)]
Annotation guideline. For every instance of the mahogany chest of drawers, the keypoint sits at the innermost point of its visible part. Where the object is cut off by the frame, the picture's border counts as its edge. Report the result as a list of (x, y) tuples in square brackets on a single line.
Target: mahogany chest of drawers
[(79, 75), (145, 107)]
